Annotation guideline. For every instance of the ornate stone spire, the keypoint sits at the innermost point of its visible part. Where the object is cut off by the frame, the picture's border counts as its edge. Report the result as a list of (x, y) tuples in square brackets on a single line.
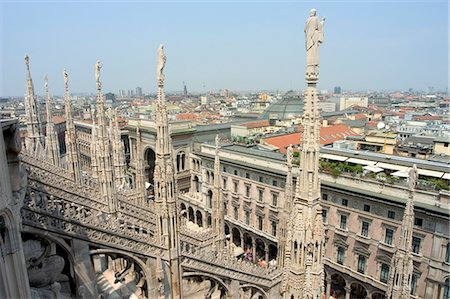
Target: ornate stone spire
[(165, 183), (401, 270), (73, 155), (51, 139), (283, 251), (118, 154), (140, 177), (34, 139), (103, 150), (305, 273), (94, 145), (218, 221)]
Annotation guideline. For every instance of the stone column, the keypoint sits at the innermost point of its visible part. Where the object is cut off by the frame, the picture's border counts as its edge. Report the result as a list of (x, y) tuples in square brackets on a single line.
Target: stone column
[(347, 292), (242, 239), (328, 288), (254, 250), (266, 251)]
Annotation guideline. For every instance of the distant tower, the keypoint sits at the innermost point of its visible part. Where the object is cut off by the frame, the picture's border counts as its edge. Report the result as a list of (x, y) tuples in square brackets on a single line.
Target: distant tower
[(401, 270), (103, 152), (304, 270), (218, 221), (138, 91), (337, 90), (165, 184), (34, 139), (51, 138), (185, 92), (73, 154)]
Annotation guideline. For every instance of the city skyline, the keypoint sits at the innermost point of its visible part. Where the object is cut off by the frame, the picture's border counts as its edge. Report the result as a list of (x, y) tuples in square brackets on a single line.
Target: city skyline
[(219, 45)]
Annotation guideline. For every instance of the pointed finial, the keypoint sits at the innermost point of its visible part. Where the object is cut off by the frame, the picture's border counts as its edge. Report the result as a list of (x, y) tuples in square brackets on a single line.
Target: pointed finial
[(217, 141), (412, 178), (66, 81), (289, 155), (98, 67), (46, 84), (27, 61), (161, 63)]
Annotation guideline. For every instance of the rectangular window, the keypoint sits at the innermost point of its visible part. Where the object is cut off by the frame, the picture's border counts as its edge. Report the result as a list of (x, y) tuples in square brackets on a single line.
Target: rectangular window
[(260, 194), (274, 228), (235, 185), (340, 255), (274, 183), (247, 190), (361, 264), (416, 245), (418, 221), (261, 179), (247, 175), (325, 196), (384, 274), (414, 284), (224, 169), (260, 222), (365, 229), (345, 202), (343, 224), (225, 183), (389, 236), (235, 172), (366, 208), (324, 215), (236, 213), (247, 217), (274, 199), (391, 214)]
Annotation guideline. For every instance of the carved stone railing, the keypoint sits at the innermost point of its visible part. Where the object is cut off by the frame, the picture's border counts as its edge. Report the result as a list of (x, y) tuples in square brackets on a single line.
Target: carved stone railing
[(196, 237), (205, 260)]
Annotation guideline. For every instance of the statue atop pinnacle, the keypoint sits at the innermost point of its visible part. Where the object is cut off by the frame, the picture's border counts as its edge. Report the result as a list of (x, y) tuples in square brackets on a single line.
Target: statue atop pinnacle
[(313, 37)]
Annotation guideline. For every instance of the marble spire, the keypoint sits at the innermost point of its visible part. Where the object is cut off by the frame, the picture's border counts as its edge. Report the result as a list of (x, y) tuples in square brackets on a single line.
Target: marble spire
[(401, 269), (118, 153), (103, 149), (218, 221), (304, 273), (73, 154), (34, 138), (165, 183), (51, 138), (93, 150), (140, 176)]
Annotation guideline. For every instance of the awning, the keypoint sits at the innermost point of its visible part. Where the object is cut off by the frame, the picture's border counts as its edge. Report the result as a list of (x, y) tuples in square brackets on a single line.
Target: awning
[(360, 161), (446, 176), (392, 166), (333, 157), (400, 174), (373, 168), (426, 172), (238, 251)]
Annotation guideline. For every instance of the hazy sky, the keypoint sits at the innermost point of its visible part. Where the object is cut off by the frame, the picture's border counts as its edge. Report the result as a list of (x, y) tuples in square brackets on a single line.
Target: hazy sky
[(211, 45)]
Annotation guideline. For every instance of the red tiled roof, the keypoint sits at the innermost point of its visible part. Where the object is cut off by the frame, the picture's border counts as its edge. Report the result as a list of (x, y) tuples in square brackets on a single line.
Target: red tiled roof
[(186, 116), (360, 116), (328, 135), (256, 124), (428, 117), (372, 124), (58, 119)]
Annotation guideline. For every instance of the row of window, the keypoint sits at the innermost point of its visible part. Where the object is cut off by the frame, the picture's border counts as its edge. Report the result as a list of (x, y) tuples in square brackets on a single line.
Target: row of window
[(384, 270), (248, 190), (260, 220), (366, 208), (247, 176)]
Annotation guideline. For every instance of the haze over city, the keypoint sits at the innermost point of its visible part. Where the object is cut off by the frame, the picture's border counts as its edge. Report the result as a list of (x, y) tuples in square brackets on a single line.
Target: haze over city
[(218, 45)]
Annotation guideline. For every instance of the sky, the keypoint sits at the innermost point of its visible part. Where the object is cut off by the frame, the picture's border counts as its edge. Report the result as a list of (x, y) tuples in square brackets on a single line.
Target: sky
[(213, 45)]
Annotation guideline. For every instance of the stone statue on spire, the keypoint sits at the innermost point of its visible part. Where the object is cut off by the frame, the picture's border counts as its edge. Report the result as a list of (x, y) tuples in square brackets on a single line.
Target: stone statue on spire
[(313, 36), (66, 80), (412, 177), (27, 61), (98, 67), (161, 63)]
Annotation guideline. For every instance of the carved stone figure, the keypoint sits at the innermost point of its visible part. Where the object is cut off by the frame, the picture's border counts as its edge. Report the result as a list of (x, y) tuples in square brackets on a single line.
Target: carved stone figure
[(313, 36), (98, 67), (161, 63)]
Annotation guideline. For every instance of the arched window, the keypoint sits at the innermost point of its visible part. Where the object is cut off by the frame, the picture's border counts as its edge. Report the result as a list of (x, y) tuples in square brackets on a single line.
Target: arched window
[(209, 198), (447, 289), (181, 161)]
